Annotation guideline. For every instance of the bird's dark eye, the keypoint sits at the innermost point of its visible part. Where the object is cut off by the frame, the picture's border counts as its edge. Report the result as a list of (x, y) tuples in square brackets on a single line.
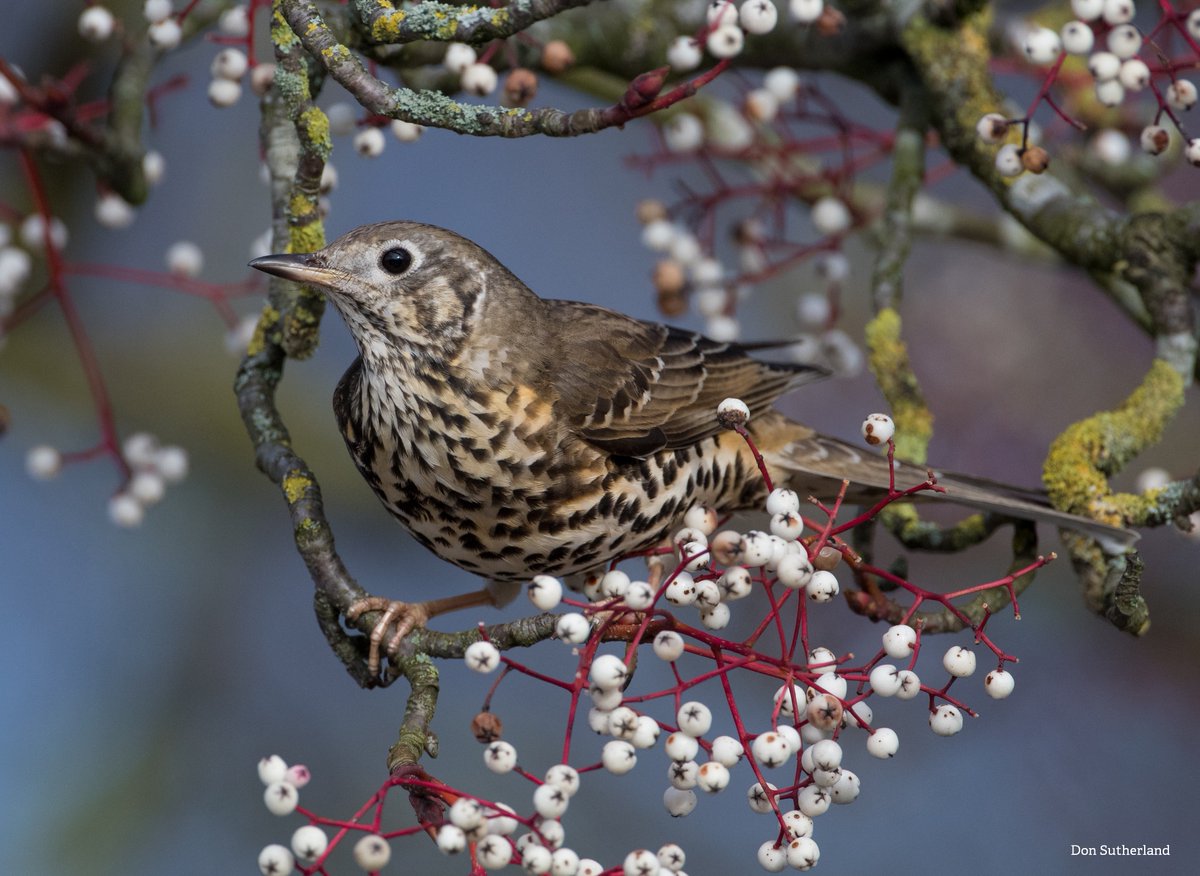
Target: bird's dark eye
[(396, 260)]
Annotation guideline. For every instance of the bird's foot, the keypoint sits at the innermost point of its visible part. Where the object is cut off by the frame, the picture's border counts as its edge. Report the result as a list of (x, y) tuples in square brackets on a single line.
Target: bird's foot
[(401, 618)]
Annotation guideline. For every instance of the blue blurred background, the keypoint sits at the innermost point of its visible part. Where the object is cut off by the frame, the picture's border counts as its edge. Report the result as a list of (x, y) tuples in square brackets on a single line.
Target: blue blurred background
[(147, 671)]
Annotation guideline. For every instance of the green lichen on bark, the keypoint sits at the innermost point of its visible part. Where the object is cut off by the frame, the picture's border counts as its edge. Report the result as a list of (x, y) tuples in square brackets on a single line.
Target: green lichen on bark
[(1087, 453), (888, 357)]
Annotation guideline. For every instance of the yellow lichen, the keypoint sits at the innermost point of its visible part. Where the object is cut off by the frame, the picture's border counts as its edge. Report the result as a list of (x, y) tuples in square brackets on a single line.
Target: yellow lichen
[(295, 485), (1081, 458), (266, 321), (888, 358)]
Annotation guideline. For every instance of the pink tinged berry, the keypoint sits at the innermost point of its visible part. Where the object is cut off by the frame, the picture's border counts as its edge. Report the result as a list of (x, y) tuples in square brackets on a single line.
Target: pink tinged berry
[(1192, 152)]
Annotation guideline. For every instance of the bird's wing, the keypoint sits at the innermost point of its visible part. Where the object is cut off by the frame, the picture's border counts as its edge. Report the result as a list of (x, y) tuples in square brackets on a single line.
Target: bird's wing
[(632, 388)]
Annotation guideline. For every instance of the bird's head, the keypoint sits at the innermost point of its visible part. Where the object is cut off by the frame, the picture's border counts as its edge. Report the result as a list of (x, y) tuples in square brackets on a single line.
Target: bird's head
[(414, 286)]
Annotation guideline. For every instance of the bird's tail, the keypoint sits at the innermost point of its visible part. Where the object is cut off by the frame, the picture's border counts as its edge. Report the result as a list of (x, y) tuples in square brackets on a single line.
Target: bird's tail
[(815, 465)]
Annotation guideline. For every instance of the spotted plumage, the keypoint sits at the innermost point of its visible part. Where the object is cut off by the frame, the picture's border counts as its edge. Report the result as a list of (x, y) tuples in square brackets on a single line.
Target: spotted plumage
[(515, 435)]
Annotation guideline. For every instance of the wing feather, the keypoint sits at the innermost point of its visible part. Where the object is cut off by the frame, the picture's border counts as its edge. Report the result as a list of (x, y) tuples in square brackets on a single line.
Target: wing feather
[(633, 388)]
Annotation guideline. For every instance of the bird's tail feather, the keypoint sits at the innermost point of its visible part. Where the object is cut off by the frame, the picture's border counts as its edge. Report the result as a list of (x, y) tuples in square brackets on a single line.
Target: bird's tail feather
[(817, 464)]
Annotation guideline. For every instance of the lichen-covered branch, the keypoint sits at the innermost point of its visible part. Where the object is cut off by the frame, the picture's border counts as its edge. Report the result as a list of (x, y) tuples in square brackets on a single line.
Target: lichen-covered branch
[(384, 23), (438, 110)]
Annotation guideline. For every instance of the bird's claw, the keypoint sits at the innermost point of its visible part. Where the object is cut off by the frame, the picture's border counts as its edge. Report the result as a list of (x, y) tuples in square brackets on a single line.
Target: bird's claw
[(401, 617)]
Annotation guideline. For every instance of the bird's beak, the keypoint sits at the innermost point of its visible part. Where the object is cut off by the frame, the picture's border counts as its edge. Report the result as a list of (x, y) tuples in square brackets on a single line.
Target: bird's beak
[(299, 267)]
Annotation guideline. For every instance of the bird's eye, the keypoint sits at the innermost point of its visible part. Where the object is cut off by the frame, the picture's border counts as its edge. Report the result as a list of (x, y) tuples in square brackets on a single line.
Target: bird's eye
[(396, 260)]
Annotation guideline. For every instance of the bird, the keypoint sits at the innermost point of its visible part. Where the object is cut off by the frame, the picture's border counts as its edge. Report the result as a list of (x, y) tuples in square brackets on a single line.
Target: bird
[(516, 435)]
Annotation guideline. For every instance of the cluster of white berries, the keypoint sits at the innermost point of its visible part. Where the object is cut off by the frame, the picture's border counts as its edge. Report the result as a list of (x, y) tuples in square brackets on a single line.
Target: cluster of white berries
[(164, 31), (310, 842), (1115, 67), (153, 467), (16, 265), (369, 141), (804, 727), (687, 270), (728, 25)]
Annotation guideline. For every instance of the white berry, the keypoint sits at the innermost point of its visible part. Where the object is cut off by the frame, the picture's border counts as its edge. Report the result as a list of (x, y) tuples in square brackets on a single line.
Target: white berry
[(43, 462), (96, 24), (806, 11), (946, 720), (1041, 46), (959, 661), (999, 683), (883, 743), (1077, 38), (878, 429), (758, 16), (479, 79), (684, 54)]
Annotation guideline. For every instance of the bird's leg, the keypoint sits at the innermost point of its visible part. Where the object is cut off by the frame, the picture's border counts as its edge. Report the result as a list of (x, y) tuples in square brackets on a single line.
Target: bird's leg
[(404, 617)]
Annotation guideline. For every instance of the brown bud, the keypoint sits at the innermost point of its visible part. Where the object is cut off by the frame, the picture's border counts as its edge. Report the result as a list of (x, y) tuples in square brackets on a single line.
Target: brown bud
[(824, 711), (520, 86), (1035, 159), (650, 210), (557, 57), (827, 558), (831, 21), (668, 277), (672, 304), (644, 88), (487, 727), (5, 419)]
